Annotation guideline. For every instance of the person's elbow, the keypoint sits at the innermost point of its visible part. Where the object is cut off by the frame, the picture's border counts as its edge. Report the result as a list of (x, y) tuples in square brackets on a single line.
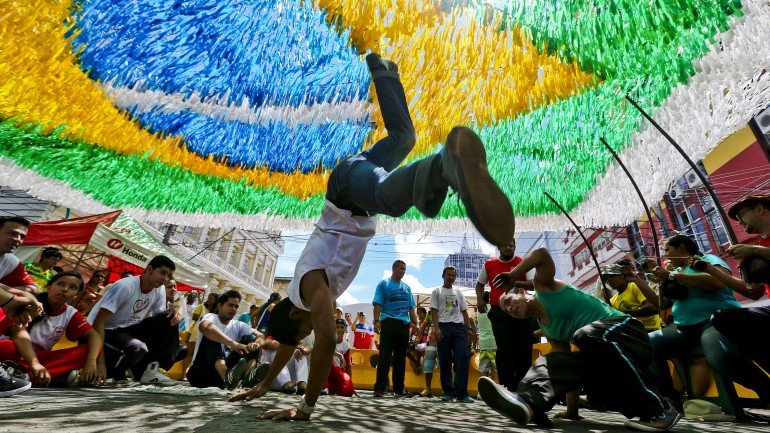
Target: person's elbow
[(755, 293)]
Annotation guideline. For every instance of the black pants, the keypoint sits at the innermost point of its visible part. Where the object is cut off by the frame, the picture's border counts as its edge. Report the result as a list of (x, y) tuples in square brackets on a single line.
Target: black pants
[(202, 373), (612, 366), (371, 182), (746, 328), (394, 340), (514, 346), (152, 339)]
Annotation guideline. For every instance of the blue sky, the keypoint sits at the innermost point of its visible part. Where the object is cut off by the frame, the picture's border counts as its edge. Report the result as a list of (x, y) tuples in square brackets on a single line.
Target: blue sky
[(424, 256)]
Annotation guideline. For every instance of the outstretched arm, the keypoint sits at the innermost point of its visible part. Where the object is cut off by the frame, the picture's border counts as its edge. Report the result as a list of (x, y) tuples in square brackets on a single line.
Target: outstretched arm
[(540, 260), (573, 397), (748, 290)]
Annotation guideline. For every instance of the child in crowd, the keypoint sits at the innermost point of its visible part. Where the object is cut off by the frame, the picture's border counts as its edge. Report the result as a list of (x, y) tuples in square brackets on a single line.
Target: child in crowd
[(340, 380), (487, 344), (430, 347), (31, 347), (90, 294)]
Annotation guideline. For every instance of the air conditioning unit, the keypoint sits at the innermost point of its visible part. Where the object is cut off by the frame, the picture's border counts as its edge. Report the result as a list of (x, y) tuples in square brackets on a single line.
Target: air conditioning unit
[(763, 120), (676, 192), (693, 181)]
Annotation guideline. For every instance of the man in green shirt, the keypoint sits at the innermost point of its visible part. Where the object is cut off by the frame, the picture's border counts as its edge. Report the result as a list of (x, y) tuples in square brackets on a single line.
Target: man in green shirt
[(612, 364), (42, 271)]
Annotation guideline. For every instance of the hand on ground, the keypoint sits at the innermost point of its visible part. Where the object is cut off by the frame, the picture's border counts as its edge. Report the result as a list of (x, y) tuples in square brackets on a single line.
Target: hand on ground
[(249, 394), (572, 416), (285, 415)]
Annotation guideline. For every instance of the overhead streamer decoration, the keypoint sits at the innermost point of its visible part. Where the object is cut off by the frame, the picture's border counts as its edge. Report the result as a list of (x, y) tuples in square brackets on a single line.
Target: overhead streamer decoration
[(233, 113)]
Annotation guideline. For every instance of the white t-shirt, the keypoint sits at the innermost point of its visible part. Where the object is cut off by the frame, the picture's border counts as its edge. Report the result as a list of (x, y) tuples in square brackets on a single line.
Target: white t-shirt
[(48, 331), (337, 246), (341, 348), (128, 304), (235, 329), (450, 304)]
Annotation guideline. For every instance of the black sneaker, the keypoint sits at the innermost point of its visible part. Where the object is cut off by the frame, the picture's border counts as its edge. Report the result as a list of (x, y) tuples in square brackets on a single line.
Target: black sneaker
[(256, 375), (504, 402), (380, 67), (464, 168), (403, 394), (10, 385), (662, 422), (15, 370), (234, 375)]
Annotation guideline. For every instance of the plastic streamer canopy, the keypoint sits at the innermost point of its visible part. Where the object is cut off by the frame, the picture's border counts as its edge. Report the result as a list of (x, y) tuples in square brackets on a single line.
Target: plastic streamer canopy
[(213, 113)]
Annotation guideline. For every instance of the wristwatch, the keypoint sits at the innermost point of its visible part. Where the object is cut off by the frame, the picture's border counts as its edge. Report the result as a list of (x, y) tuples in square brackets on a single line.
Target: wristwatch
[(304, 407)]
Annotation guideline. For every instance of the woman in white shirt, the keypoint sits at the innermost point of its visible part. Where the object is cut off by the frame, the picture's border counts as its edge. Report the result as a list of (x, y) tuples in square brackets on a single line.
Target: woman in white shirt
[(32, 347)]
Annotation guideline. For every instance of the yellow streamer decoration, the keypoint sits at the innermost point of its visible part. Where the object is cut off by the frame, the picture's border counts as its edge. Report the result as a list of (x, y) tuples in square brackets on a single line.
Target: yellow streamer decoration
[(455, 69)]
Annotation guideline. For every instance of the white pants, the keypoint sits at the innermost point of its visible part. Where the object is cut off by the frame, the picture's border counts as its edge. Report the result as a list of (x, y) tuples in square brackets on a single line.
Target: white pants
[(294, 371)]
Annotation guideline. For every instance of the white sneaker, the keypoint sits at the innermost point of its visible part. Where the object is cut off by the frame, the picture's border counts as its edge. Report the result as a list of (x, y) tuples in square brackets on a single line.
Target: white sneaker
[(73, 379), (504, 402), (153, 376)]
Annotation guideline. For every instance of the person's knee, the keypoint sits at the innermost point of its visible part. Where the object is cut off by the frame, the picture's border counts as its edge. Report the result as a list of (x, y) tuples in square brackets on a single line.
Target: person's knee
[(135, 350), (717, 350), (720, 319), (405, 138)]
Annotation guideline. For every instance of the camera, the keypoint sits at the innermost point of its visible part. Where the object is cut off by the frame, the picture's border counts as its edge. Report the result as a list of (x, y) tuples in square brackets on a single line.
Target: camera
[(673, 290), (699, 265)]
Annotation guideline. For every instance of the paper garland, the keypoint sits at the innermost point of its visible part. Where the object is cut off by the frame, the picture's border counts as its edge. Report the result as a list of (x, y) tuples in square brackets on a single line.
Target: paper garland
[(541, 123)]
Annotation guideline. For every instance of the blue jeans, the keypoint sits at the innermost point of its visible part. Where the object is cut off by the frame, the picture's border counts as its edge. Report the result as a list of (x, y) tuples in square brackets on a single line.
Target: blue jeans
[(370, 183), (720, 353), (454, 349)]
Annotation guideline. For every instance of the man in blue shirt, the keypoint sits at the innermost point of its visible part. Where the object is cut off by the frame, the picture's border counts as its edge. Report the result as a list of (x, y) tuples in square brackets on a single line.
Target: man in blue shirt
[(393, 311)]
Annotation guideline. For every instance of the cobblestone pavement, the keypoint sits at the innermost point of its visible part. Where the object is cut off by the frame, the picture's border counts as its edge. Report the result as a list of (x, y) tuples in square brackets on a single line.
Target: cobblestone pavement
[(145, 409)]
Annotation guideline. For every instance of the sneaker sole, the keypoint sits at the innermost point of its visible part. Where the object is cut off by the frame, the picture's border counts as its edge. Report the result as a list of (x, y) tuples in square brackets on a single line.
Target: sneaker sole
[(499, 401), (157, 382), (631, 425), (237, 374), (485, 203), (15, 391), (259, 375)]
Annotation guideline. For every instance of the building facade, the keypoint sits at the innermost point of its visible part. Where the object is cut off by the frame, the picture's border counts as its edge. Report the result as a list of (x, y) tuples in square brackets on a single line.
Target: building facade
[(236, 259), (468, 262)]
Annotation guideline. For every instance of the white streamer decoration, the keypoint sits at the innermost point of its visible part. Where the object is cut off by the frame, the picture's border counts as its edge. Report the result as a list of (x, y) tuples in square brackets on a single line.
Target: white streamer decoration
[(143, 100)]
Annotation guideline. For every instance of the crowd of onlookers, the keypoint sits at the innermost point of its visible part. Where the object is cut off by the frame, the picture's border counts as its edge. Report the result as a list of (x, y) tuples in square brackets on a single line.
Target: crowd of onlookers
[(131, 328), (134, 329)]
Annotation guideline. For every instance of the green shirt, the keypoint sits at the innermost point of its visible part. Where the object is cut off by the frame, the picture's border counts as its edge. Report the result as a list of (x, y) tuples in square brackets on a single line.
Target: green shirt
[(569, 309), (486, 337), (40, 276), (699, 304)]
